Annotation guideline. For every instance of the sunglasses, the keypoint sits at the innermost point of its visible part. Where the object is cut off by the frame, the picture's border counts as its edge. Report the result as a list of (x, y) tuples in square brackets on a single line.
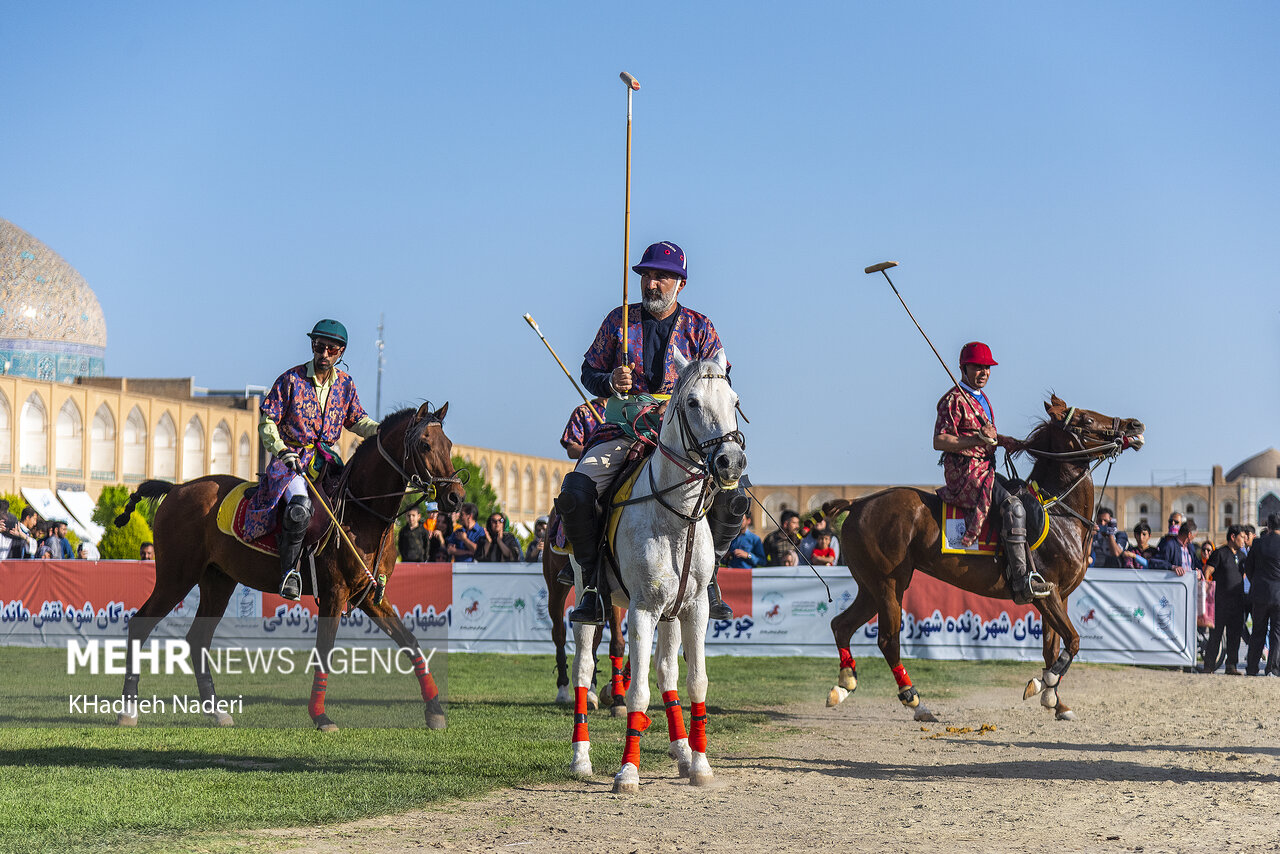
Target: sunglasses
[(331, 349)]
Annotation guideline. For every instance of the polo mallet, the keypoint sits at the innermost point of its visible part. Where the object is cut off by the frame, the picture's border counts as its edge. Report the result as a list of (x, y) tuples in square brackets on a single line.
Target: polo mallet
[(380, 582), (882, 268), (632, 85), (534, 324)]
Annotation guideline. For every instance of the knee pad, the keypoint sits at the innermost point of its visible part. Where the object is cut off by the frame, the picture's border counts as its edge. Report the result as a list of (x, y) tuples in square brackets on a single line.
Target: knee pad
[(577, 491), (297, 513)]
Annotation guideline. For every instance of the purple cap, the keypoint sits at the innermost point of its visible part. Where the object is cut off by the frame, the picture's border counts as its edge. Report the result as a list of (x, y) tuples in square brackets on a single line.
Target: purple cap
[(663, 256)]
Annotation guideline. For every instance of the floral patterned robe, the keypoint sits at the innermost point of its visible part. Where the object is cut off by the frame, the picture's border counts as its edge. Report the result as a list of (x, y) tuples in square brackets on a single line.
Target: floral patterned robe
[(970, 473)]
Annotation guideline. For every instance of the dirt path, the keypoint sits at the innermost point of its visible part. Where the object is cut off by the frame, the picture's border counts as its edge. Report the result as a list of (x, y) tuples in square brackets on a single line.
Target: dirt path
[(1158, 761)]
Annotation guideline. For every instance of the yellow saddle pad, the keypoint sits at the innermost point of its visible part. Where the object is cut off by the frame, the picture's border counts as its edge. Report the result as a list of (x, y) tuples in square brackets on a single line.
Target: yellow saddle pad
[(615, 512), (953, 529)]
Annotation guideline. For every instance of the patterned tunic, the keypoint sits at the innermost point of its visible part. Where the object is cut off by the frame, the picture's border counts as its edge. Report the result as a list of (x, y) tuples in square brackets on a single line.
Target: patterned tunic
[(294, 407), (970, 473), (692, 334), (583, 420)]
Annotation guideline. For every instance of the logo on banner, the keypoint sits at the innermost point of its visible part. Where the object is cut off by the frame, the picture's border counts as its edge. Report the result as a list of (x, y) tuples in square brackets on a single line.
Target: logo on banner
[(472, 606), (771, 608), (541, 603), (1164, 617)]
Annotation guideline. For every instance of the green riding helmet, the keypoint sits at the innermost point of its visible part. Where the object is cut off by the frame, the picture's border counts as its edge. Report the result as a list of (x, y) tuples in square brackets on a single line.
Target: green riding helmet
[(329, 329)]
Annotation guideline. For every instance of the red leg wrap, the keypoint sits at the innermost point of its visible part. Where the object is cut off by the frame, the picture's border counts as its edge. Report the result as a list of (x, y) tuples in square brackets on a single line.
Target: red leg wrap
[(429, 690), (675, 717), (900, 673), (626, 676), (319, 685), (846, 658), (580, 714), (637, 723), (617, 684), (698, 737)]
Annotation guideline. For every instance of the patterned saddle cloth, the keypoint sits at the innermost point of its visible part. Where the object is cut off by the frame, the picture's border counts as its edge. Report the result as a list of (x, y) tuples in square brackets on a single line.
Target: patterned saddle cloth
[(231, 513), (953, 527)]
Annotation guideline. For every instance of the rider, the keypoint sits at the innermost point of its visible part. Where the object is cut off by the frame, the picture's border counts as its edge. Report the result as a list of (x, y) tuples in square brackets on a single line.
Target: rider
[(304, 412), (965, 432), (656, 328)]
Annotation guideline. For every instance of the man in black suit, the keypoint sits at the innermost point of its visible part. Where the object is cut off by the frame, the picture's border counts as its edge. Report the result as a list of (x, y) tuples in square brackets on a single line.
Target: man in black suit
[(1225, 564), (1263, 568)]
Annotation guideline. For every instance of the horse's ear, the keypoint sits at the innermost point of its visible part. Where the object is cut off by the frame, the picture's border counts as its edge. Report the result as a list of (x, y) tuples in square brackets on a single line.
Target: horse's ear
[(424, 411), (721, 359), (1056, 408), (442, 411), (678, 359)]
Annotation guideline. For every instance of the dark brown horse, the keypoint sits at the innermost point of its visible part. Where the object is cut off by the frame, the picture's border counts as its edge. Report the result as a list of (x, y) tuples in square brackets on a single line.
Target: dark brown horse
[(557, 597), (891, 534), (410, 451)]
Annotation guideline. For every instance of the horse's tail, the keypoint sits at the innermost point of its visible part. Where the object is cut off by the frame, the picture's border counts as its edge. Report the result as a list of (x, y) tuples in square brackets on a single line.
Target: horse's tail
[(831, 509), (147, 489)]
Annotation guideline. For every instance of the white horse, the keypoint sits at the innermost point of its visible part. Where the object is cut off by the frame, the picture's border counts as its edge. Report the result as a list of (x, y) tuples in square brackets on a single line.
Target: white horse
[(664, 548)]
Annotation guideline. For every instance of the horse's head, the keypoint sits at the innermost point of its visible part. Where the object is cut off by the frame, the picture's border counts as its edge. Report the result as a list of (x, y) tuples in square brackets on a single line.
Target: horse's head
[(705, 426), (428, 457), (1086, 430)]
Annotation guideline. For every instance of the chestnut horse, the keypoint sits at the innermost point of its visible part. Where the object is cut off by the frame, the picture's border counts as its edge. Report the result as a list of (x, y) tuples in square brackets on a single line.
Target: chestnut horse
[(889, 535), (557, 598), (409, 451)]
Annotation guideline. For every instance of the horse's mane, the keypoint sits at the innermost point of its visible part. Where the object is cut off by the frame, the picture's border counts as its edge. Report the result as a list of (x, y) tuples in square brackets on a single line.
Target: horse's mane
[(393, 420)]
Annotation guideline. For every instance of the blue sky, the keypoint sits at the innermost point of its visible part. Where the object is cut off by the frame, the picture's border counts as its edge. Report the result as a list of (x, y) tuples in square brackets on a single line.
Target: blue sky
[(1090, 188)]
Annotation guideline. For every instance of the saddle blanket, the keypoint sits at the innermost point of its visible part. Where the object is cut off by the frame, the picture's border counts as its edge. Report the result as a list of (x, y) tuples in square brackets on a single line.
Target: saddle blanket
[(231, 514), (560, 544), (953, 528)]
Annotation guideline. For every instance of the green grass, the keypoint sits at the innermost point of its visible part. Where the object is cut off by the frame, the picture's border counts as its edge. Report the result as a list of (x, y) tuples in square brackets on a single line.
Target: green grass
[(98, 788)]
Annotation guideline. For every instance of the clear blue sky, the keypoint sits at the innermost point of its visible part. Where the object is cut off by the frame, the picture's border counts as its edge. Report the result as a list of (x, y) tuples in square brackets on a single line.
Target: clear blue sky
[(1091, 188)]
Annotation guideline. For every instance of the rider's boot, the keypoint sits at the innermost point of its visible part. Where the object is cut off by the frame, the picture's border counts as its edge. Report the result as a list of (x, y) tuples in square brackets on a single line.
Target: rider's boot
[(725, 518), (576, 505), (565, 575), (297, 516), (1025, 582)]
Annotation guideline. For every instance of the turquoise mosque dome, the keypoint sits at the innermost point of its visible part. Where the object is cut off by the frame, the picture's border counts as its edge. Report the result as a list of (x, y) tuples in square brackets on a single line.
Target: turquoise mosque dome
[(51, 325)]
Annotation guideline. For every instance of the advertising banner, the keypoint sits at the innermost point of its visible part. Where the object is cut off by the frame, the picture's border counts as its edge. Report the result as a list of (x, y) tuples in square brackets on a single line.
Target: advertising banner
[(1124, 616)]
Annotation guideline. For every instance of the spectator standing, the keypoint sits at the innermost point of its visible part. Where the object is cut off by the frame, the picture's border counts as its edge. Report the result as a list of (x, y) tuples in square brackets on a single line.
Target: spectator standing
[(810, 539), (62, 548), (1262, 566), (823, 553), (147, 551), (413, 540), (497, 545), (1226, 568), (747, 549), (439, 526), (1141, 554), (45, 541), (783, 540), (582, 423), (462, 542), (8, 529), (533, 554), (1179, 551), (1109, 543), (24, 541), (1175, 525)]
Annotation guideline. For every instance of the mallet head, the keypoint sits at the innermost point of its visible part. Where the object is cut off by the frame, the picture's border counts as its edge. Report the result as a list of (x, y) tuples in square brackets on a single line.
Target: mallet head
[(631, 82), (881, 267), (529, 319)]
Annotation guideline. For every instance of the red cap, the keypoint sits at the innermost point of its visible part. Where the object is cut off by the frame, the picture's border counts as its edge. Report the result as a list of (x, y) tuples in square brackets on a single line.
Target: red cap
[(976, 353)]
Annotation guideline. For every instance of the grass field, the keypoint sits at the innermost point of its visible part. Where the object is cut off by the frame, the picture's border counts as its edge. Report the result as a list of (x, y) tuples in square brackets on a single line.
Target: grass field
[(99, 788)]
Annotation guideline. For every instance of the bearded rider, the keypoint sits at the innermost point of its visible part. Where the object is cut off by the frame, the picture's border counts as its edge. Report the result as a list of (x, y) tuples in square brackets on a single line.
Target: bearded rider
[(965, 432), (656, 328), (302, 416)]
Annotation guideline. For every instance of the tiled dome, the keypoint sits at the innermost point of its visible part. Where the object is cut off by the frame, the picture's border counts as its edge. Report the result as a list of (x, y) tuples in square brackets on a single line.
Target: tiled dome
[(51, 325)]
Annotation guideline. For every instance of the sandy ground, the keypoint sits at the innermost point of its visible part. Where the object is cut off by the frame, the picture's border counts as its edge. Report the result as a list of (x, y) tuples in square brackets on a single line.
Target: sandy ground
[(1157, 761)]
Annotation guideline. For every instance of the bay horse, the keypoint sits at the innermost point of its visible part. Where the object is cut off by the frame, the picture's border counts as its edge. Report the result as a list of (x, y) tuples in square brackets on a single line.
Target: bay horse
[(409, 451), (665, 556), (890, 535), (557, 599)]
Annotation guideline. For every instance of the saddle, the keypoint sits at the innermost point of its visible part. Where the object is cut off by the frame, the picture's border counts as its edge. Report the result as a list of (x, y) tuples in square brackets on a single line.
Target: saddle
[(232, 510), (618, 491), (988, 538)]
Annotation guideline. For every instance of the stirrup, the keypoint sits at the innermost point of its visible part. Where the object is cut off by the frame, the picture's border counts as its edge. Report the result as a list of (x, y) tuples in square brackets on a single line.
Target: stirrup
[(1037, 585), (585, 615), (291, 585)]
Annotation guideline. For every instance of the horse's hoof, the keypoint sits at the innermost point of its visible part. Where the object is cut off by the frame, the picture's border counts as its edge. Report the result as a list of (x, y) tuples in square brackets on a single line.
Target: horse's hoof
[(581, 764), (593, 700), (848, 679), (701, 778), (627, 781), (606, 696), (126, 720), (564, 696), (680, 752), (1065, 714), (1034, 686), (324, 724), (618, 710), (836, 696), (924, 715), (436, 721), (221, 719)]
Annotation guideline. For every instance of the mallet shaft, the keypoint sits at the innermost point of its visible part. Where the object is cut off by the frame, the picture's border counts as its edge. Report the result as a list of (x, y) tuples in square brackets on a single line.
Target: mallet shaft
[(534, 325)]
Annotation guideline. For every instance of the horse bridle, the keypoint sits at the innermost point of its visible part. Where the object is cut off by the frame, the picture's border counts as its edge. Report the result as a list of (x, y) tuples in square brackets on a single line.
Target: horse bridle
[(420, 480), (1105, 452)]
